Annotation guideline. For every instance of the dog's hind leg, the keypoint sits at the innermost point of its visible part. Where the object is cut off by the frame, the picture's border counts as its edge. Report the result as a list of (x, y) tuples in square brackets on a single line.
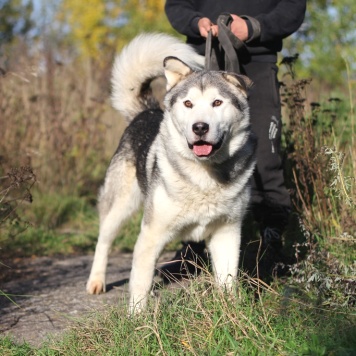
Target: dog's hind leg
[(224, 247), (119, 198)]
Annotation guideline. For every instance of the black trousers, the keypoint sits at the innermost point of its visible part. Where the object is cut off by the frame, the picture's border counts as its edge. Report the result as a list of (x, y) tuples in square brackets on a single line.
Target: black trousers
[(265, 111)]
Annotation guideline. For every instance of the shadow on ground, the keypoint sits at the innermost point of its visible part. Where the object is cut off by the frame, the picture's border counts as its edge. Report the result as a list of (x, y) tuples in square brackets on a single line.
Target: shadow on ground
[(47, 293)]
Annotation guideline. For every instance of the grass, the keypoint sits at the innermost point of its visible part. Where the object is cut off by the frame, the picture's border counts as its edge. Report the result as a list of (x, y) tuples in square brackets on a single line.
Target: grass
[(57, 224), (200, 319), (54, 223)]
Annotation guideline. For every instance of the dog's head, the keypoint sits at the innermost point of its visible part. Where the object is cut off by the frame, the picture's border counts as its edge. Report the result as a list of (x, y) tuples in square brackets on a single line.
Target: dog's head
[(208, 108)]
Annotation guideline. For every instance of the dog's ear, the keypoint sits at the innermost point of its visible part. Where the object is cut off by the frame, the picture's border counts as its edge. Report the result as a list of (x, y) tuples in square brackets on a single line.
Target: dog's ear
[(240, 81), (175, 70)]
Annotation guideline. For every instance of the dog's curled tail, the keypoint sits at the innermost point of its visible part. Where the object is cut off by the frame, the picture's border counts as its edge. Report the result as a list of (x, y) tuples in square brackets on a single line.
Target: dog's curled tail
[(139, 63)]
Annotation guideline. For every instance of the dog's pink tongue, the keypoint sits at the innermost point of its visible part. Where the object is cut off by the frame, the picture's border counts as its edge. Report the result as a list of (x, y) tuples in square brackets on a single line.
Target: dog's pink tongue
[(202, 150)]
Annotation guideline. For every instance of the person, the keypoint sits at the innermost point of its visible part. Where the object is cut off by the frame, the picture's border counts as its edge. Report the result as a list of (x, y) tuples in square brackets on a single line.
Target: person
[(262, 26)]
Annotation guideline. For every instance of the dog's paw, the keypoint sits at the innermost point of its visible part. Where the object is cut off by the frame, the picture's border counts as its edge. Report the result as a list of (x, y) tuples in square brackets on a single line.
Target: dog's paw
[(95, 286)]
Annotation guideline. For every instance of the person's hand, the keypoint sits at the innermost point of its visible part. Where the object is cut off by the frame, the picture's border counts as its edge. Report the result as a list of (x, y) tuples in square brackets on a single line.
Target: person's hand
[(205, 25), (239, 28)]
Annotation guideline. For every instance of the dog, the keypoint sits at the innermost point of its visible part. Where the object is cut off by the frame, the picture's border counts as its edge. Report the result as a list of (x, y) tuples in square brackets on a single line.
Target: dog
[(190, 164)]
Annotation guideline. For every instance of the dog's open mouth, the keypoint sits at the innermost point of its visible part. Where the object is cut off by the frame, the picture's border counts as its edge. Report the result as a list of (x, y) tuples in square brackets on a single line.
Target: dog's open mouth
[(205, 149)]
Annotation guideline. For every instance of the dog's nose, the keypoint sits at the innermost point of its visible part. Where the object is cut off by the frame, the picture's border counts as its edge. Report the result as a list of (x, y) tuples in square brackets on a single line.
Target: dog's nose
[(200, 128)]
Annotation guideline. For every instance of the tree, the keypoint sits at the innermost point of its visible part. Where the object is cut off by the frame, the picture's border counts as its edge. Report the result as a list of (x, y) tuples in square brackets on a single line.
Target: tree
[(96, 26), (146, 15), (15, 19), (326, 40), (90, 24)]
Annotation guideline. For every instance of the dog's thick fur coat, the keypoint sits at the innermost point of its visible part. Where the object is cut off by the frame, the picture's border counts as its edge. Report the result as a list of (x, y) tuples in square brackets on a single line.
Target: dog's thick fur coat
[(190, 165)]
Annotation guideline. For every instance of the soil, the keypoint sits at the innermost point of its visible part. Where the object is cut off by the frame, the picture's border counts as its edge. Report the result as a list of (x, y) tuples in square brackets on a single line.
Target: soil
[(48, 293)]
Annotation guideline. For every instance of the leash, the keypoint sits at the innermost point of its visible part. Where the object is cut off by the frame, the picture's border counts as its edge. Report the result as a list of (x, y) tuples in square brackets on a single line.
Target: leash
[(221, 53)]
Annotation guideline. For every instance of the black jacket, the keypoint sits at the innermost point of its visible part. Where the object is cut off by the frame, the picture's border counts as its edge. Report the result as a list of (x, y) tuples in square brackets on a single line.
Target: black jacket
[(269, 21)]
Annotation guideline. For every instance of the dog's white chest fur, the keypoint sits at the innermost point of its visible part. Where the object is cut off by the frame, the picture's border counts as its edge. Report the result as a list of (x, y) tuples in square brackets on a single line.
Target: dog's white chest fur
[(193, 208)]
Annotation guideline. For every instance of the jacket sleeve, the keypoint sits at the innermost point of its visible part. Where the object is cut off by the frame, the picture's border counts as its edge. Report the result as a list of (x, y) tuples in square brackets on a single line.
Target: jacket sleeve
[(183, 17), (282, 21)]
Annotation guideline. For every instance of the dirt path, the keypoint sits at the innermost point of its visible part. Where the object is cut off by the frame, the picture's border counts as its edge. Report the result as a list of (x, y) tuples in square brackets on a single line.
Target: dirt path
[(50, 292)]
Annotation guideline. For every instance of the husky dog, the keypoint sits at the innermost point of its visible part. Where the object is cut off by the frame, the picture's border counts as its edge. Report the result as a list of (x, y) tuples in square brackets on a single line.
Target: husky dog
[(189, 165)]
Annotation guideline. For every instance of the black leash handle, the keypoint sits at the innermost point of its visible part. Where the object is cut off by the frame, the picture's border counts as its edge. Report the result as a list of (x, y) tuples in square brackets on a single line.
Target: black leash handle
[(221, 53), (208, 52)]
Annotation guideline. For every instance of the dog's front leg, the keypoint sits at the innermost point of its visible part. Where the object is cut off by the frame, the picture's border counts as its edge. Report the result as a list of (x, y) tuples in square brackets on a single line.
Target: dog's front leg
[(109, 225), (96, 281), (149, 245), (224, 247)]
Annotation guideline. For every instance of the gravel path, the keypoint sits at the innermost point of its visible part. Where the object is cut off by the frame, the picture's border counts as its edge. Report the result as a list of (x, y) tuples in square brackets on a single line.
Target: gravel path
[(50, 292)]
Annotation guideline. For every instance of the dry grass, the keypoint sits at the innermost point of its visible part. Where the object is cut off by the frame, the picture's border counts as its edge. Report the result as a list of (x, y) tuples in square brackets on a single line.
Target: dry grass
[(58, 119)]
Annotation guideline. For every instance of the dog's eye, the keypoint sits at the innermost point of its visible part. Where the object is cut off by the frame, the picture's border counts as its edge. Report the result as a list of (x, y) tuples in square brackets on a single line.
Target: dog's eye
[(217, 102), (188, 104)]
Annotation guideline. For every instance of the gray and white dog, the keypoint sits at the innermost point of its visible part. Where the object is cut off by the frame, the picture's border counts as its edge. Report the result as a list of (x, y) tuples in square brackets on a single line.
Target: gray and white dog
[(189, 165)]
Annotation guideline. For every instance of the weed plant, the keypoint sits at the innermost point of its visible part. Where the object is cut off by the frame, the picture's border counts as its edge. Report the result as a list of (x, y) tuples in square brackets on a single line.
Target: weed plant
[(321, 165), (15, 190)]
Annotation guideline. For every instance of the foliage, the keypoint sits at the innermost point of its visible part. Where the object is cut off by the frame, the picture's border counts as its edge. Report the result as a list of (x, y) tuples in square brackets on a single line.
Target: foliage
[(59, 123), (340, 185), (15, 190), (145, 16), (323, 192), (89, 24), (324, 278), (57, 225), (322, 179), (326, 40), (15, 19), (102, 26), (95, 29)]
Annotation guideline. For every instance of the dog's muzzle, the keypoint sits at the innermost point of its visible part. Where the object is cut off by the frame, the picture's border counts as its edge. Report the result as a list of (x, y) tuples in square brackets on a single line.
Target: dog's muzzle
[(201, 147)]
